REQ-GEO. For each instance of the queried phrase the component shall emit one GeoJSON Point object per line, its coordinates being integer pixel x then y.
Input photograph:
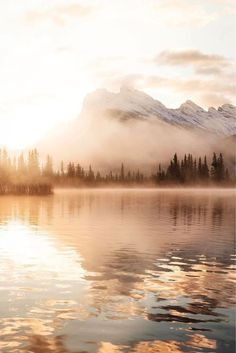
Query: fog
{"type": "Point", "coordinates": [105, 140]}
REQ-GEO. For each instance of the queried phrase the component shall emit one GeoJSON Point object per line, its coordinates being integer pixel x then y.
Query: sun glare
{"type": "Point", "coordinates": [26, 246]}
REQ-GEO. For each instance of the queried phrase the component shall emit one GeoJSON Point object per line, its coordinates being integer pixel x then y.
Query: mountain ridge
{"type": "Point", "coordinates": [132, 127]}
{"type": "Point", "coordinates": [221, 121]}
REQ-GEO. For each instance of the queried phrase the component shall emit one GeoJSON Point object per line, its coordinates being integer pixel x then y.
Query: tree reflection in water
{"type": "Point", "coordinates": [117, 271]}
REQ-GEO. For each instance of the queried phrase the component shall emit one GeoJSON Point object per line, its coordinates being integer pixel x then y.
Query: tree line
{"type": "Point", "coordinates": [190, 170]}
{"type": "Point", "coordinates": [29, 169]}
{"type": "Point", "coordinates": [22, 175]}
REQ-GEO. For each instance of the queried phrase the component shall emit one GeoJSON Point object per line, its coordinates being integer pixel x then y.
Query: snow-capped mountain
{"type": "Point", "coordinates": [132, 127]}
{"type": "Point", "coordinates": [130, 103]}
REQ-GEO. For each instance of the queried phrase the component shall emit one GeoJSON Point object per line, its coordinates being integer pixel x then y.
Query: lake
{"type": "Point", "coordinates": [118, 271]}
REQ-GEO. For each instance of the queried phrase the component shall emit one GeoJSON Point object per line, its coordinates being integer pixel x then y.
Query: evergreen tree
{"type": "Point", "coordinates": [129, 176]}
{"type": "Point", "coordinates": [71, 170]}
{"type": "Point", "coordinates": [137, 176]}
{"type": "Point", "coordinates": [62, 172]}
{"type": "Point", "coordinates": [21, 165]}
{"type": "Point", "coordinates": [217, 168]}
{"type": "Point", "coordinates": [214, 169]}
{"type": "Point", "coordinates": [90, 174]}
{"type": "Point", "coordinates": [200, 169]}
{"type": "Point", "coordinates": [33, 163]}
{"type": "Point", "coordinates": [111, 176]}
{"type": "Point", "coordinates": [205, 170]}
{"type": "Point", "coordinates": [194, 176]}
{"type": "Point", "coordinates": [4, 171]}
{"type": "Point", "coordinates": [221, 168]}
{"type": "Point", "coordinates": [48, 169]}
{"type": "Point", "coordinates": [173, 171]}
{"type": "Point", "coordinates": [227, 176]}
{"type": "Point", "coordinates": [122, 172]}
{"type": "Point", "coordinates": [160, 174]}
{"type": "Point", "coordinates": [98, 177]}
{"type": "Point", "coordinates": [78, 171]}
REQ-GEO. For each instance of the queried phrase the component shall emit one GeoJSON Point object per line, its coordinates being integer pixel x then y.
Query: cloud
{"type": "Point", "coordinates": [214, 100]}
{"type": "Point", "coordinates": [207, 64]}
{"type": "Point", "coordinates": [190, 56]}
{"type": "Point", "coordinates": [214, 80]}
{"type": "Point", "coordinates": [206, 70]}
{"type": "Point", "coordinates": [204, 86]}
{"type": "Point", "coordinates": [233, 2]}
{"type": "Point", "coordinates": [58, 15]}
{"type": "Point", "coordinates": [184, 13]}
{"type": "Point", "coordinates": [211, 82]}
{"type": "Point", "coordinates": [208, 92]}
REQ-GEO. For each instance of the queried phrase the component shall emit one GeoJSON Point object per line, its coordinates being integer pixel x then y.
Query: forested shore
{"type": "Point", "coordinates": [27, 174]}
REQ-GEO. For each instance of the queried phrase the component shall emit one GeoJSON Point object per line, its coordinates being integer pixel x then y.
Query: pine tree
{"type": "Point", "coordinates": [78, 171]}
{"type": "Point", "coordinates": [21, 165]}
{"type": "Point", "coordinates": [221, 168]}
{"type": "Point", "coordinates": [33, 163]}
{"type": "Point", "coordinates": [62, 172]}
{"type": "Point", "coordinates": [111, 176]}
{"type": "Point", "coordinates": [14, 165]}
{"type": "Point", "coordinates": [217, 168]}
{"type": "Point", "coordinates": [129, 176]}
{"type": "Point", "coordinates": [4, 171]}
{"type": "Point", "coordinates": [71, 170]}
{"type": "Point", "coordinates": [173, 171]}
{"type": "Point", "coordinates": [48, 169]}
{"type": "Point", "coordinates": [200, 169]}
{"type": "Point", "coordinates": [194, 170]}
{"type": "Point", "coordinates": [4, 159]}
{"type": "Point", "coordinates": [98, 177]}
{"type": "Point", "coordinates": [90, 174]}
{"type": "Point", "coordinates": [214, 166]}
{"type": "Point", "coordinates": [160, 174]}
{"type": "Point", "coordinates": [122, 172]}
{"type": "Point", "coordinates": [205, 170]}
{"type": "Point", "coordinates": [227, 177]}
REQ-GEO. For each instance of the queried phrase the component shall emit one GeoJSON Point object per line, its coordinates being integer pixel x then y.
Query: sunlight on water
{"type": "Point", "coordinates": [24, 245]}
{"type": "Point", "coordinates": [106, 271]}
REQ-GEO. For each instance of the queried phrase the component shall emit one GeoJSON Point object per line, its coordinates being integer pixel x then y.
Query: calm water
{"type": "Point", "coordinates": [118, 271]}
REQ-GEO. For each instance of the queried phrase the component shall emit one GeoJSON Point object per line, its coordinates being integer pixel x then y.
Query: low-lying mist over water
{"type": "Point", "coordinates": [103, 271]}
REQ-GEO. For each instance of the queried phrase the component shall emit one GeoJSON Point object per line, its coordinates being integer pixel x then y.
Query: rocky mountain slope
{"type": "Point", "coordinates": [130, 103]}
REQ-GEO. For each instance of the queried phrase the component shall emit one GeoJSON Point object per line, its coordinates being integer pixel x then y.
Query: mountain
{"type": "Point", "coordinates": [130, 103]}
{"type": "Point", "coordinates": [132, 127]}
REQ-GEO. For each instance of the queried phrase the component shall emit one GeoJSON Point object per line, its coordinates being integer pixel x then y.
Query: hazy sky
{"type": "Point", "coordinates": [52, 52]}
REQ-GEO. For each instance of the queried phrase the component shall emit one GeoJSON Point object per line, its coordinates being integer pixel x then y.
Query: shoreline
{"type": "Point", "coordinates": [147, 188]}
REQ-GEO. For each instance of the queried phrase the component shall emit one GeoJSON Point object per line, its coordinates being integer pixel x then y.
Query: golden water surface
{"type": "Point", "coordinates": [118, 271]}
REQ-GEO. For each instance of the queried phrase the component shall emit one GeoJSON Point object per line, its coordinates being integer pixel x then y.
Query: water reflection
{"type": "Point", "coordinates": [118, 271]}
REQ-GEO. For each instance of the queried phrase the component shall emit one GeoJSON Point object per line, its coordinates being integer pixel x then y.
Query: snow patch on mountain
{"type": "Point", "coordinates": [221, 121]}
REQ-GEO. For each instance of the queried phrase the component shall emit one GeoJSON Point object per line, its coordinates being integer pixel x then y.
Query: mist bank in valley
{"type": "Point", "coordinates": [106, 142]}
{"type": "Point", "coordinates": [133, 128]}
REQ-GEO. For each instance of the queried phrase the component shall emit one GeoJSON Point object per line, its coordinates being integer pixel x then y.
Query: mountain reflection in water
{"type": "Point", "coordinates": [103, 271]}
